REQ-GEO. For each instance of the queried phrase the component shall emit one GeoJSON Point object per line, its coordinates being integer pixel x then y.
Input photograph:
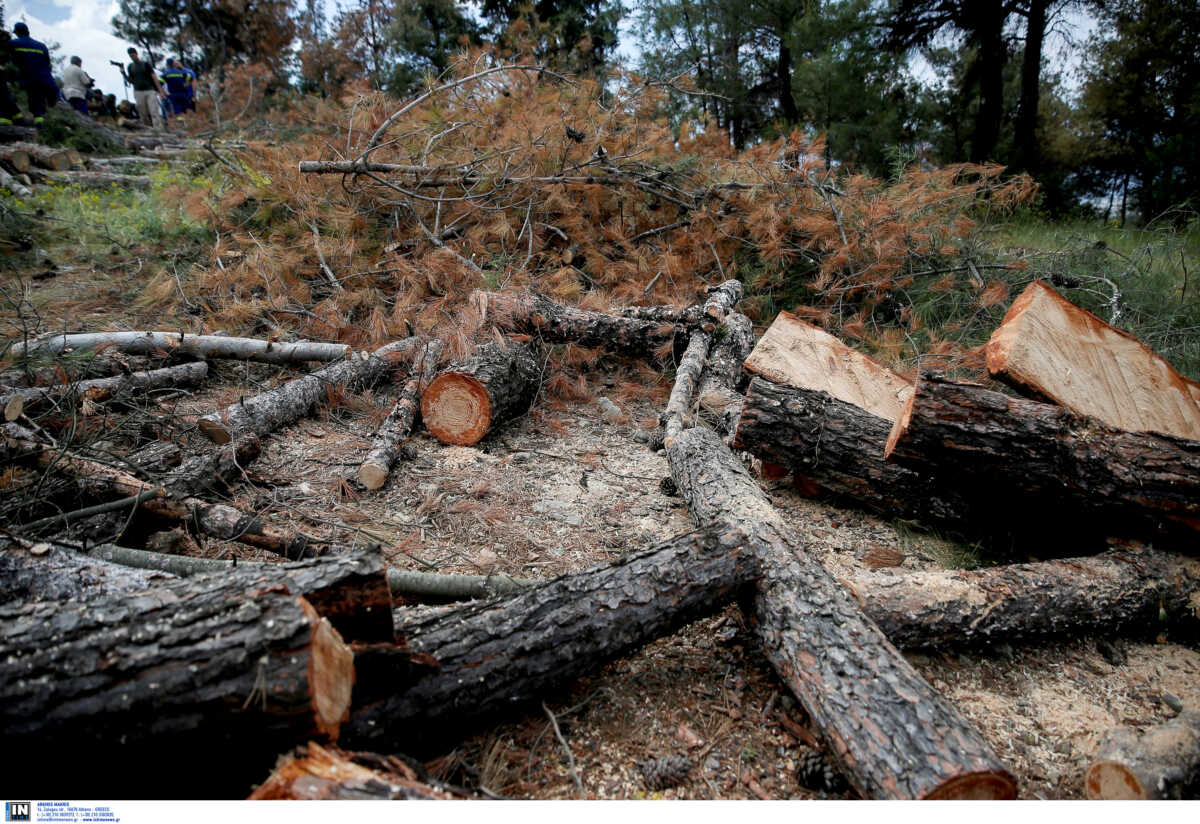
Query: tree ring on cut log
{"type": "Point", "coordinates": [456, 409]}
{"type": "Point", "coordinates": [1113, 781]}
{"type": "Point", "coordinates": [330, 674]}
{"type": "Point", "coordinates": [978, 786]}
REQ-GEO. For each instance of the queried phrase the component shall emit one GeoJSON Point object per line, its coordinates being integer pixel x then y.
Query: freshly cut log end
{"type": "Point", "coordinates": [330, 674]}
{"type": "Point", "coordinates": [1053, 349]}
{"type": "Point", "coordinates": [980, 786]}
{"type": "Point", "coordinates": [456, 409]}
{"type": "Point", "coordinates": [464, 402]}
{"type": "Point", "coordinates": [1160, 763]}
{"type": "Point", "coordinates": [372, 476]}
{"type": "Point", "coordinates": [214, 431]}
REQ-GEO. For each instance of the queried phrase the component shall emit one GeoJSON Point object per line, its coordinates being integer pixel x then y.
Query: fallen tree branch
{"type": "Point", "coordinates": [385, 450]}
{"type": "Point", "coordinates": [180, 344]}
{"type": "Point", "coordinates": [98, 389]}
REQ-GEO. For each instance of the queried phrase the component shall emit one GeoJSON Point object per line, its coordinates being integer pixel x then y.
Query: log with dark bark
{"type": "Point", "coordinates": [555, 323]}
{"type": "Point", "coordinates": [464, 402]}
{"type": "Point", "coordinates": [719, 394]}
{"type": "Point", "coordinates": [471, 664]}
{"type": "Point", "coordinates": [385, 450]}
{"type": "Point", "coordinates": [99, 389]}
{"type": "Point", "coordinates": [210, 672]}
{"type": "Point", "coordinates": [316, 773]}
{"type": "Point", "coordinates": [284, 405]}
{"type": "Point", "coordinates": [1119, 591]}
{"type": "Point", "coordinates": [12, 134]}
{"type": "Point", "coordinates": [892, 734]}
{"type": "Point", "coordinates": [1129, 480]}
{"type": "Point", "coordinates": [1051, 348]}
{"type": "Point", "coordinates": [179, 344]}
{"type": "Point", "coordinates": [31, 571]}
{"type": "Point", "coordinates": [1159, 763]}
{"type": "Point", "coordinates": [686, 316]}
{"type": "Point", "coordinates": [839, 446]}
{"type": "Point", "coordinates": [74, 368]}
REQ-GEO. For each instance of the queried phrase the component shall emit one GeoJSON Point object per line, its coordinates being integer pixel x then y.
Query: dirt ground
{"type": "Point", "coordinates": [570, 486]}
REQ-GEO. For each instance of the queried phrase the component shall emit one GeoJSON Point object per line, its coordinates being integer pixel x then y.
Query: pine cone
{"type": "Point", "coordinates": [818, 772]}
{"type": "Point", "coordinates": [666, 772]}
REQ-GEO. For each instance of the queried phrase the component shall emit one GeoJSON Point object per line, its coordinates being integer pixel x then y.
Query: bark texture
{"type": "Point", "coordinates": [13, 185]}
{"type": "Point", "coordinates": [840, 447]}
{"type": "Point", "coordinates": [555, 323]}
{"type": "Point", "coordinates": [284, 405]}
{"type": "Point", "coordinates": [892, 734]}
{"type": "Point", "coordinates": [99, 389]}
{"type": "Point", "coordinates": [385, 451]}
{"type": "Point", "coordinates": [721, 300]}
{"type": "Point", "coordinates": [467, 665]}
{"type": "Point", "coordinates": [197, 346]}
{"type": "Point", "coordinates": [497, 383]}
{"type": "Point", "coordinates": [210, 674]}
{"type": "Point", "coordinates": [719, 394]}
{"type": "Point", "coordinates": [1129, 480]}
{"type": "Point", "coordinates": [316, 773]}
{"type": "Point", "coordinates": [18, 159]}
{"type": "Point", "coordinates": [30, 572]}
{"type": "Point", "coordinates": [1160, 763]}
{"type": "Point", "coordinates": [678, 415]}
{"type": "Point", "coordinates": [687, 316]}
{"type": "Point", "coordinates": [1118, 591]}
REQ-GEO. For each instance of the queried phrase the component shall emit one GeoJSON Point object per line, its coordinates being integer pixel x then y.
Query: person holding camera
{"type": "Point", "coordinates": [76, 83]}
{"type": "Point", "coordinates": [146, 90]}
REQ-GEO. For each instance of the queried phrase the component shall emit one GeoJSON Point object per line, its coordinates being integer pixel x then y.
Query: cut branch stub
{"type": "Point", "coordinates": [1160, 763]}
{"type": "Point", "coordinates": [463, 403]}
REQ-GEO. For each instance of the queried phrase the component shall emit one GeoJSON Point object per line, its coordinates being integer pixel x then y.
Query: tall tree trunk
{"type": "Point", "coordinates": [1025, 149]}
{"type": "Point", "coordinates": [783, 71]}
{"type": "Point", "coordinates": [989, 35]}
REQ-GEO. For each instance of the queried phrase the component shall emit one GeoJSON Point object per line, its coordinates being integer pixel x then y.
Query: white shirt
{"type": "Point", "coordinates": [75, 82]}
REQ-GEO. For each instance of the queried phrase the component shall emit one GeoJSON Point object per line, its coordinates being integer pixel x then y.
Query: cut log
{"type": "Point", "coordinates": [385, 451]}
{"type": "Point", "coordinates": [68, 369]}
{"type": "Point", "coordinates": [316, 773]}
{"type": "Point", "coordinates": [1052, 348]}
{"type": "Point", "coordinates": [471, 664]}
{"type": "Point", "coordinates": [284, 405]}
{"type": "Point", "coordinates": [155, 458]}
{"type": "Point", "coordinates": [497, 383]}
{"type": "Point", "coordinates": [892, 734]}
{"type": "Point", "coordinates": [16, 158]}
{"type": "Point", "coordinates": [687, 316]}
{"type": "Point", "coordinates": [1160, 763]}
{"type": "Point", "coordinates": [678, 414]}
{"type": "Point", "coordinates": [719, 394]}
{"type": "Point", "coordinates": [349, 588]}
{"type": "Point", "coordinates": [840, 447]}
{"type": "Point", "coordinates": [182, 345]}
{"type": "Point", "coordinates": [794, 353]}
{"type": "Point", "coordinates": [555, 323]}
{"type": "Point", "coordinates": [14, 185]}
{"type": "Point", "coordinates": [99, 389]}
{"type": "Point", "coordinates": [1119, 591]}
{"type": "Point", "coordinates": [210, 672]}
{"type": "Point", "coordinates": [1130, 480]}
{"type": "Point", "coordinates": [93, 180]}
{"type": "Point", "coordinates": [31, 571]}
{"type": "Point", "coordinates": [721, 300]}
{"type": "Point", "coordinates": [44, 157]}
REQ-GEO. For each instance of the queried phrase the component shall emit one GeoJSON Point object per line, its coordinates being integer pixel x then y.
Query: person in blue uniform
{"type": "Point", "coordinates": [33, 66]}
{"type": "Point", "coordinates": [176, 81]}
{"type": "Point", "coordinates": [191, 86]}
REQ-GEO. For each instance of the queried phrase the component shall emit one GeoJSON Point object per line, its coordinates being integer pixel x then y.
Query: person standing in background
{"type": "Point", "coordinates": [76, 83]}
{"type": "Point", "coordinates": [9, 112]}
{"type": "Point", "coordinates": [146, 90]}
{"type": "Point", "coordinates": [191, 87]}
{"type": "Point", "coordinates": [33, 64]}
{"type": "Point", "coordinates": [177, 81]}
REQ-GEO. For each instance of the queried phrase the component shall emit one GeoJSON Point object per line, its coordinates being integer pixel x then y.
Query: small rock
{"type": "Point", "coordinates": [519, 457]}
{"type": "Point", "coordinates": [1173, 702]}
{"type": "Point", "coordinates": [641, 436]}
{"type": "Point", "coordinates": [609, 411]}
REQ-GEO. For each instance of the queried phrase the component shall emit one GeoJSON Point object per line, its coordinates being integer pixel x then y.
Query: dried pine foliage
{"type": "Point", "coordinates": [507, 176]}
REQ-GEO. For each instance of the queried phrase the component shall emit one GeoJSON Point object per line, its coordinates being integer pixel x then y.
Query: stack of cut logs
{"type": "Point", "coordinates": [235, 663]}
